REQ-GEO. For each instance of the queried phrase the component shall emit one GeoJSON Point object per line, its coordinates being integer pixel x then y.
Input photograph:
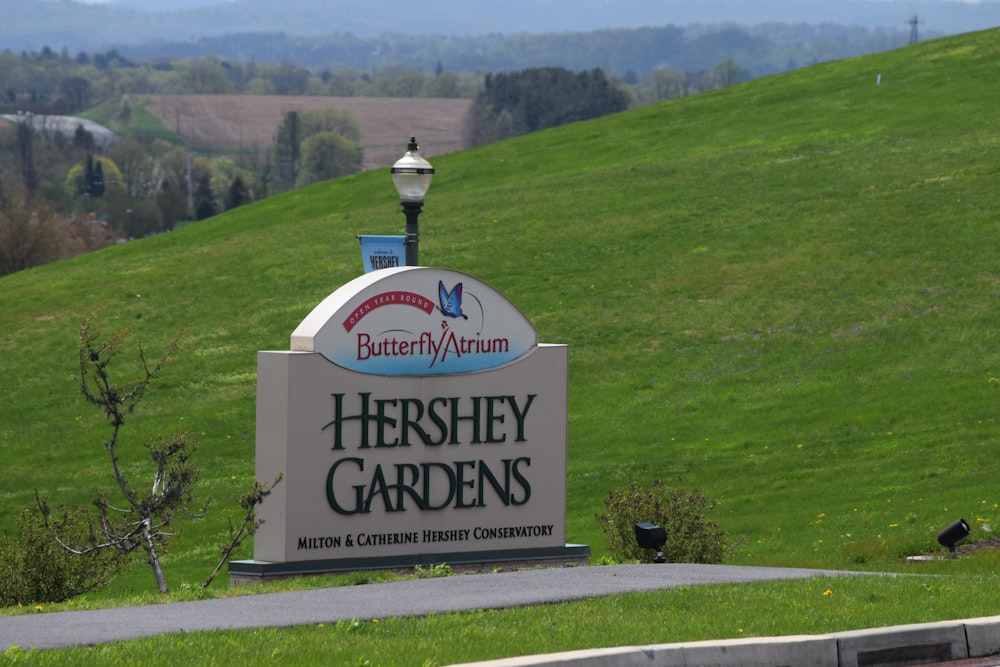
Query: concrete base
{"type": "Point", "coordinates": [255, 572]}
{"type": "Point", "coordinates": [881, 647]}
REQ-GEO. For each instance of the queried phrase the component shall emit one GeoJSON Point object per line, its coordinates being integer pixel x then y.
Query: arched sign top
{"type": "Point", "coordinates": [416, 320]}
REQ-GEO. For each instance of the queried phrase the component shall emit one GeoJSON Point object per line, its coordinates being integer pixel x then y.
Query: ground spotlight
{"type": "Point", "coordinates": [650, 536]}
{"type": "Point", "coordinates": [952, 535]}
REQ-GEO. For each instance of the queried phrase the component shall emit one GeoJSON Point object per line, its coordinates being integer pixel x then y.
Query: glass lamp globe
{"type": "Point", "coordinates": [412, 174]}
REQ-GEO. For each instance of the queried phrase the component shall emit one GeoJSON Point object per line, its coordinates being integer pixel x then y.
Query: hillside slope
{"type": "Point", "coordinates": [783, 294]}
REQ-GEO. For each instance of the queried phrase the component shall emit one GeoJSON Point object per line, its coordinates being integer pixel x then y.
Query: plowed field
{"type": "Point", "coordinates": [244, 122]}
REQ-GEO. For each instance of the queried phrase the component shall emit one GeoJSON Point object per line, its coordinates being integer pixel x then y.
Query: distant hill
{"type": "Point", "coordinates": [459, 17]}
{"type": "Point", "coordinates": [31, 24]}
{"type": "Point", "coordinates": [758, 50]}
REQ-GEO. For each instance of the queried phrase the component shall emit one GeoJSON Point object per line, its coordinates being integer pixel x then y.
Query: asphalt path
{"type": "Point", "coordinates": [414, 597]}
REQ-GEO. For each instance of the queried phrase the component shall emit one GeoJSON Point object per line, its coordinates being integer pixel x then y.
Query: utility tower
{"type": "Point", "coordinates": [914, 30]}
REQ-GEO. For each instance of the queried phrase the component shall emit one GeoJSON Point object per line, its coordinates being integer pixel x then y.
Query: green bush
{"type": "Point", "coordinates": [34, 568]}
{"type": "Point", "coordinates": [691, 538]}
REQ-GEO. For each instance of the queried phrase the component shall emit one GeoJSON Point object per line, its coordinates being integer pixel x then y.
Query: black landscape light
{"type": "Point", "coordinates": [953, 534]}
{"type": "Point", "coordinates": [650, 536]}
{"type": "Point", "coordinates": [412, 176]}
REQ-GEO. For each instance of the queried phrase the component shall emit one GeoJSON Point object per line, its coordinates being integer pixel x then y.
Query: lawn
{"type": "Point", "coordinates": [782, 294]}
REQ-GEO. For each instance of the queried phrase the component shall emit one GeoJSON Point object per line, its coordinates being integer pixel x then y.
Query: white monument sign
{"type": "Point", "coordinates": [416, 420]}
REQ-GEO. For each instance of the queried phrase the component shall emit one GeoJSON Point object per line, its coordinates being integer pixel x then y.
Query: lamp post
{"type": "Point", "coordinates": [412, 177]}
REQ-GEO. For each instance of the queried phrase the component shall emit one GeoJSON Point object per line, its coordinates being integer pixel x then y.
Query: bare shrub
{"type": "Point", "coordinates": [34, 568]}
{"type": "Point", "coordinates": [691, 538]}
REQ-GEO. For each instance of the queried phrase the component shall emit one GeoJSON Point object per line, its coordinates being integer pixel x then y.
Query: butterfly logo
{"type": "Point", "coordinates": [451, 302]}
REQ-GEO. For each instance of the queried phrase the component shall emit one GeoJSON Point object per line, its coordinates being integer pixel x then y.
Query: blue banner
{"type": "Point", "coordinates": [382, 252]}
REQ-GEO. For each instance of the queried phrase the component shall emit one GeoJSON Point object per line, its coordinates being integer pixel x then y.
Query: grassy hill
{"type": "Point", "coordinates": [783, 294]}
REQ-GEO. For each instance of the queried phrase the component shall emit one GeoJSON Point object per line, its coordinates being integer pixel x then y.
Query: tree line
{"type": "Point", "coordinates": [760, 49]}
{"type": "Point", "coordinates": [342, 64]}
{"type": "Point", "coordinates": [516, 103]}
{"type": "Point", "coordinates": [50, 82]}
{"type": "Point", "coordinates": [53, 82]}
{"type": "Point", "coordinates": [63, 193]}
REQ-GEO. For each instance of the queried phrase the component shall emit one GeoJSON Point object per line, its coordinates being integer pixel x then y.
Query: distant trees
{"type": "Point", "coordinates": [137, 166]}
{"type": "Point", "coordinates": [94, 177]}
{"type": "Point", "coordinates": [761, 49]}
{"type": "Point", "coordinates": [76, 91]}
{"type": "Point", "coordinates": [316, 145]}
{"type": "Point", "coordinates": [25, 155]}
{"type": "Point", "coordinates": [287, 148]}
{"type": "Point", "coordinates": [665, 84]}
{"type": "Point", "coordinates": [237, 194]}
{"type": "Point", "coordinates": [343, 64]}
{"type": "Point", "coordinates": [93, 193]}
{"type": "Point", "coordinates": [331, 120]}
{"type": "Point", "coordinates": [327, 155]}
{"type": "Point", "coordinates": [519, 102]}
{"type": "Point", "coordinates": [726, 74]}
{"type": "Point", "coordinates": [49, 83]}
{"type": "Point", "coordinates": [204, 199]}
{"type": "Point", "coordinates": [30, 232]}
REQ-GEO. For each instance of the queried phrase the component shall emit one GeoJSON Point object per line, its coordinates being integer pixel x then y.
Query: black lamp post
{"type": "Point", "coordinates": [412, 176]}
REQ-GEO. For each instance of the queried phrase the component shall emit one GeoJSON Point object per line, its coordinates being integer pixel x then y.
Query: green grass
{"type": "Point", "coordinates": [142, 123]}
{"type": "Point", "coordinates": [783, 294]}
{"type": "Point", "coordinates": [811, 606]}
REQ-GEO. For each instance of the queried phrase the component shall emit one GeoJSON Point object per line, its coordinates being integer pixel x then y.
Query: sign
{"type": "Point", "coordinates": [382, 252]}
{"type": "Point", "coordinates": [416, 419]}
{"type": "Point", "coordinates": [414, 321]}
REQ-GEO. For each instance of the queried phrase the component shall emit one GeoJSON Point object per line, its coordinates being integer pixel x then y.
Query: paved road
{"type": "Point", "coordinates": [415, 597]}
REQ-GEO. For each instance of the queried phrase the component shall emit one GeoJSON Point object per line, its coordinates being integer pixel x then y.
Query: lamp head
{"type": "Point", "coordinates": [650, 536]}
{"type": "Point", "coordinates": [412, 174]}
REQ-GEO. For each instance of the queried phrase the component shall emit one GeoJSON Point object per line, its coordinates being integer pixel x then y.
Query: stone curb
{"type": "Point", "coordinates": [879, 647]}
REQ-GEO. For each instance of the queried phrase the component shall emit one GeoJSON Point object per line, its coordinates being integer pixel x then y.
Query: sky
{"type": "Point", "coordinates": [210, 2]}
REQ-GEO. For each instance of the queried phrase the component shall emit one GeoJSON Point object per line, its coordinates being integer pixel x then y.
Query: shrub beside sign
{"type": "Point", "coordinates": [416, 419]}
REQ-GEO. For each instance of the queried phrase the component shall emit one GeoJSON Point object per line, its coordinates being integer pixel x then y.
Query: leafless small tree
{"type": "Point", "coordinates": [137, 521]}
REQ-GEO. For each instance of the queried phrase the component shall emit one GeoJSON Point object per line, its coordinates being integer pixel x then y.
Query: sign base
{"type": "Point", "coordinates": [256, 572]}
